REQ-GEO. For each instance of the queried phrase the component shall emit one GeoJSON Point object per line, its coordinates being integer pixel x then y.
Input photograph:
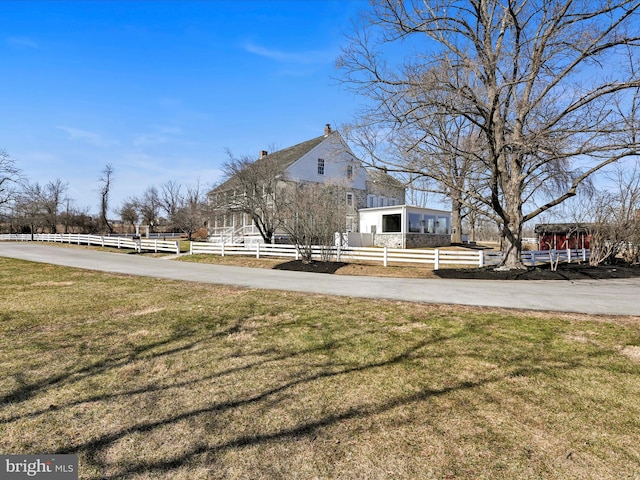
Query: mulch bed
{"type": "Point", "coordinates": [565, 271]}
{"type": "Point", "coordinates": [314, 267]}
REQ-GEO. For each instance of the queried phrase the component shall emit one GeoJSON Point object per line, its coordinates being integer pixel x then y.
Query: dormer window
{"type": "Point", "coordinates": [321, 166]}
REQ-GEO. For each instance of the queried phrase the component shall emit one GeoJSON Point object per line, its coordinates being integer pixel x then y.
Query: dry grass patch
{"type": "Point", "coordinates": [147, 378]}
{"type": "Point", "coordinates": [631, 351]}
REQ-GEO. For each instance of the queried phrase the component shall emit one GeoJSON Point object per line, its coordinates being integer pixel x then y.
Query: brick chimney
{"type": "Point", "coordinates": [263, 153]}
{"type": "Point", "coordinates": [327, 129]}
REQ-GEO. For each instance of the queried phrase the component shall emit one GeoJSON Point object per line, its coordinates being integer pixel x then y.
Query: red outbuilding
{"type": "Point", "coordinates": [561, 236]}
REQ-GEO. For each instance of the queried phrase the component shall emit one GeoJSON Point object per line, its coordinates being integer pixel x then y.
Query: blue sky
{"type": "Point", "coordinates": [159, 89]}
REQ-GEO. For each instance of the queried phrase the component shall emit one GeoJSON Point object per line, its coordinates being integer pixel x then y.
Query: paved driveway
{"type": "Point", "coordinates": [610, 297]}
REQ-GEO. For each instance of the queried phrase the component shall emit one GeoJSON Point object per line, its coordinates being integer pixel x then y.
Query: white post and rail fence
{"type": "Point", "coordinates": [435, 256]}
{"type": "Point", "coordinates": [140, 244]}
{"type": "Point", "coordinates": [384, 255]}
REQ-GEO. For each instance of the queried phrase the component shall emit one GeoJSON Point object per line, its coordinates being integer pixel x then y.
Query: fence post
{"type": "Point", "coordinates": [481, 258]}
{"type": "Point", "coordinates": [532, 253]}
{"type": "Point", "coordinates": [190, 248]}
{"type": "Point", "coordinates": [222, 251]}
{"type": "Point", "coordinates": [436, 259]}
{"type": "Point", "coordinates": [258, 250]}
{"type": "Point", "coordinates": [568, 255]}
{"type": "Point", "coordinates": [338, 253]}
{"type": "Point", "coordinates": [385, 259]}
{"type": "Point", "coordinates": [155, 245]}
{"type": "Point", "coordinates": [584, 254]}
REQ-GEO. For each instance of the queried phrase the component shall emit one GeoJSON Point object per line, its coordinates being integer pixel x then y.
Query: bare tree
{"type": "Point", "coordinates": [105, 188]}
{"type": "Point", "coordinates": [9, 177]}
{"type": "Point", "coordinates": [170, 197]}
{"type": "Point", "coordinates": [76, 219]}
{"type": "Point", "coordinates": [252, 188]}
{"type": "Point", "coordinates": [614, 216]}
{"type": "Point", "coordinates": [191, 212]}
{"type": "Point", "coordinates": [38, 206]}
{"type": "Point", "coordinates": [52, 198]}
{"type": "Point", "coordinates": [29, 207]}
{"type": "Point", "coordinates": [129, 211]}
{"type": "Point", "coordinates": [149, 207]}
{"type": "Point", "coordinates": [314, 213]}
{"type": "Point", "coordinates": [549, 87]}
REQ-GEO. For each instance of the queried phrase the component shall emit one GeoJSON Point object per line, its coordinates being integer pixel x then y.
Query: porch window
{"type": "Point", "coordinates": [414, 223]}
{"type": "Point", "coordinates": [392, 223]}
{"type": "Point", "coordinates": [443, 225]}
{"type": "Point", "coordinates": [429, 224]}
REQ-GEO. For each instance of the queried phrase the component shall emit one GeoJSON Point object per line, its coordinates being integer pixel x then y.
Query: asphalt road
{"type": "Point", "coordinates": [607, 297]}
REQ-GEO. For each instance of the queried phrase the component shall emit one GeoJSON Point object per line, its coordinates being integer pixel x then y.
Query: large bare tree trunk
{"type": "Point", "coordinates": [512, 246]}
{"type": "Point", "coordinates": [456, 221]}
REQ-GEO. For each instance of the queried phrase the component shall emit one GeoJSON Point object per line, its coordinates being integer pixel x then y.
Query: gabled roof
{"type": "Point", "coordinates": [282, 159]}
{"type": "Point", "coordinates": [381, 177]}
{"type": "Point", "coordinates": [562, 228]}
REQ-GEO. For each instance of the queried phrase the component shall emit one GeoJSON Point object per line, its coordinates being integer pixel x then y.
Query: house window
{"type": "Point", "coordinates": [392, 223]}
{"type": "Point", "coordinates": [321, 166]}
{"type": "Point", "coordinates": [370, 199]}
{"type": "Point", "coordinates": [349, 199]}
{"type": "Point", "coordinates": [351, 224]}
{"type": "Point", "coordinates": [349, 172]}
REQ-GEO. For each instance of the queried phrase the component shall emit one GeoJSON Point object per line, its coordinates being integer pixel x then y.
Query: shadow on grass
{"type": "Point", "coordinates": [93, 449]}
{"type": "Point", "coordinates": [27, 390]}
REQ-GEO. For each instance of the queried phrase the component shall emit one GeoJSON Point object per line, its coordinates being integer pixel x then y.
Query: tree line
{"type": "Point", "coordinates": [34, 207]}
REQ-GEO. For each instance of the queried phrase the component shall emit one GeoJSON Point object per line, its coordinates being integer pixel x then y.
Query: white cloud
{"type": "Point", "coordinates": [314, 56]}
{"type": "Point", "coordinates": [88, 137]}
{"type": "Point", "coordinates": [160, 136]}
{"type": "Point", "coordinates": [150, 139]}
{"type": "Point", "coordinates": [23, 42]}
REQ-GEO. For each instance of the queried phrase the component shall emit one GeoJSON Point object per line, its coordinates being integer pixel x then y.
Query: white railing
{"type": "Point", "coordinates": [436, 257]}
{"type": "Point", "coordinates": [232, 234]}
{"type": "Point", "coordinates": [139, 245]}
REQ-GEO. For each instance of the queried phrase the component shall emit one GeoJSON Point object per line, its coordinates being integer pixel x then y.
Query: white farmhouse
{"type": "Point", "coordinates": [326, 159]}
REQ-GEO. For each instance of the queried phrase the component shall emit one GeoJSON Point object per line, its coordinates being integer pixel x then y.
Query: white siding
{"type": "Point", "coordinates": [337, 157]}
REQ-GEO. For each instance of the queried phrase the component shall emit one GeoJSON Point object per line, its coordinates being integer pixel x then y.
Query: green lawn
{"type": "Point", "coordinates": [147, 378]}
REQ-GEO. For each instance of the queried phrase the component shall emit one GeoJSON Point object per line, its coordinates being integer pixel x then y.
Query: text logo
{"type": "Point", "coordinates": [49, 467]}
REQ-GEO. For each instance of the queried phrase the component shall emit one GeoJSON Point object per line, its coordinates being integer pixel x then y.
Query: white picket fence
{"type": "Point", "coordinates": [139, 245]}
{"type": "Point", "coordinates": [436, 257]}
